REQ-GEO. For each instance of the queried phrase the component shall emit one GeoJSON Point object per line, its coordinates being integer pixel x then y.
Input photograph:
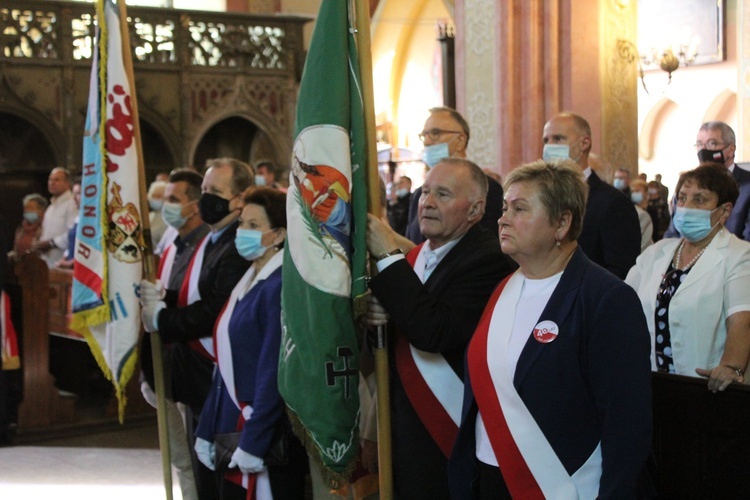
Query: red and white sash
{"type": "Point", "coordinates": [223, 349]}
{"type": "Point", "coordinates": [8, 337]}
{"type": "Point", "coordinates": [190, 293]}
{"type": "Point", "coordinates": [165, 264]}
{"type": "Point", "coordinates": [530, 467]}
{"type": "Point", "coordinates": [433, 388]}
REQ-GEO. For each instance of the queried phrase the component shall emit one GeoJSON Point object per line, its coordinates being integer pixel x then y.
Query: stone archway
{"type": "Point", "coordinates": [230, 137]}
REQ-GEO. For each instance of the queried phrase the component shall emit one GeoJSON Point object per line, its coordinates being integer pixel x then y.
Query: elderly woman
{"type": "Point", "coordinates": [30, 230]}
{"type": "Point", "coordinates": [244, 396]}
{"type": "Point", "coordinates": [695, 291]}
{"type": "Point", "coordinates": [557, 399]}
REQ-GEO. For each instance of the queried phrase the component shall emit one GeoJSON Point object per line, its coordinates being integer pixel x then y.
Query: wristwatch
{"type": "Point", "coordinates": [389, 254]}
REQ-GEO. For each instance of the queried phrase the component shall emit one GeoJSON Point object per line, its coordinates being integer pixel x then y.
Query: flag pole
{"type": "Point", "coordinates": [148, 258]}
{"type": "Point", "coordinates": [385, 464]}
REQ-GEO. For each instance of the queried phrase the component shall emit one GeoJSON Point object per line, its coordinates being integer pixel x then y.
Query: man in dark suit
{"type": "Point", "coordinates": [716, 143]}
{"type": "Point", "coordinates": [186, 316]}
{"type": "Point", "coordinates": [435, 296]}
{"type": "Point", "coordinates": [446, 134]}
{"type": "Point", "coordinates": [611, 233]}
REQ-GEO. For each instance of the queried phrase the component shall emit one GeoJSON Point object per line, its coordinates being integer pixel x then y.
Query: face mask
{"type": "Point", "coordinates": [636, 197]}
{"type": "Point", "coordinates": [155, 204]}
{"type": "Point", "coordinates": [172, 215]}
{"type": "Point", "coordinates": [433, 153]}
{"type": "Point", "coordinates": [260, 180]}
{"type": "Point", "coordinates": [31, 217]}
{"type": "Point", "coordinates": [694, 224]}
{"type": "Point", "coordinates": [402, 192]}
{"type": "Point", "coordinates": [620, 184]}
{"type": "Point", "coordinates": [707, 155]}
{"type": "Point", "coordinates": [213, 208]}
{"type": "Point", "coordinates": [248, 243]}
{"type": "Point", "coordinates": [555, 152]}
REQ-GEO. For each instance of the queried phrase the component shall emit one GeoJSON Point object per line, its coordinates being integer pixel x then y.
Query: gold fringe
{"type": "Point", "coordinates": [11, 363]}
{"type": "Point", "coordinates": [335, 480]}
{"type": "Point", "coordinates": [82, 320]}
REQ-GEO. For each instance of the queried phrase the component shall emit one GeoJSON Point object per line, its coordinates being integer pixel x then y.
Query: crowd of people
{"type": "Point", "coordinates": [528, 316]}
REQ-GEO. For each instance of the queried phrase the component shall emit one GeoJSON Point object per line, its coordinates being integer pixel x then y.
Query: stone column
{"type": "Point", "coordinates": [743, 72]}
{"type": "Point", "coordinates": [520, 62]}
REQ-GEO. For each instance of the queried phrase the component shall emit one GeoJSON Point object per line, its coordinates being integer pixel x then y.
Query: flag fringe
{"type": "Point", "coordinates": [82, 320]}
{"type": "Point", "coordinates": [335, 480]}
{"type": "Point", "coordinates": [126, 373]}
{"type": "Point", "coordinates": [11, 363]}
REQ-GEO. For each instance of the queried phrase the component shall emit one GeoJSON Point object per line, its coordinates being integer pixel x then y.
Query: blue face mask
{"type": "Point", "coordinates": [248, 243]}
{"type": "Point", "coordinates": [260, 180]}
{"type": "Point", "coordinates": [555, 152]}
{"type": "Point", "coordinates": [433, 153]}
{"type": "Point", "coordinates": [636, 197]}
{"type": "Point", "coordinates": [31, 217]}
{"type": "Point", "coordinates": [401, 192]}
{"type": "Point", "coordinates": [619, 183]}
{"type": "Point", "coordinates": [694, 224]}
{"type": "Point", "coordinates": [155, 204]}
{"type": "Point", "coordinates": [172, 214]}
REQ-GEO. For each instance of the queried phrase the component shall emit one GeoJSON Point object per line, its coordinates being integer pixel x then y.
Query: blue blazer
{"type": "Point", "coordinates": [591, 384]}
{"type": "Point", "coordinates": [255, 336]}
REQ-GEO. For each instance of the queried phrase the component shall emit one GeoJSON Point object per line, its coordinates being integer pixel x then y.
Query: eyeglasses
{"type": "Point", "coordinates": [434, 134]}
{"type": "Point", "coordinates": [711, 145]}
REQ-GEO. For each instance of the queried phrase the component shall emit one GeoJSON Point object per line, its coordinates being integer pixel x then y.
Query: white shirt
{"type": "Point", "coordinates": [427, 260]}
{"type": "Point", "coordinates": [58, 219]}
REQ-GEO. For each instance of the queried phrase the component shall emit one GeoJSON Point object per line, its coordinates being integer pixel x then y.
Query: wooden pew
{"type": "Point", "coordinates": [46, 298]}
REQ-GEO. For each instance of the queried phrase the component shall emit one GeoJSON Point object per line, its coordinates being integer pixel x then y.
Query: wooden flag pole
{"type": "Point", "coordinates": [385, 463]}
{"type": "Point", "coordinates": [148, 258]}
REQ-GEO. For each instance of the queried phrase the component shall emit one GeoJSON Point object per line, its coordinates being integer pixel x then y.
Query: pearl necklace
{"type": "Point", "coordinates": [678, 257]}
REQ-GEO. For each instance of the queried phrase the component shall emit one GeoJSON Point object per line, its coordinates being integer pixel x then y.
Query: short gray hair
{"type": "Point", "coordinates": [36, 198]}
{"type": "Point", "coordinates": [727, 134]}
{"type": "Point", "coordinates": [478, 177]}
{"type": "Point", "coordinates": [243, 175]}
{"type": "Point", "coordinates": [562, 188]}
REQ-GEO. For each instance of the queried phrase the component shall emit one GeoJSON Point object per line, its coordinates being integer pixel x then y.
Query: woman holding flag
{"type": "Point", "coordinates": [244, 398]}
{"type": "Point", "coordinates": [557, 397]}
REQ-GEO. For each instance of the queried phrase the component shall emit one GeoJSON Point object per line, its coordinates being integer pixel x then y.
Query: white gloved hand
{"type": "Point", "coordinates": [206, 452]}
{"type": "Point", "coordinates": [248, 464]}
{"type": "Point", "coordinates": [152, 293]}
{"type": "Point", "coordinates": [148, 394]}
{"type": "Point", "coordinates": [150, 316]}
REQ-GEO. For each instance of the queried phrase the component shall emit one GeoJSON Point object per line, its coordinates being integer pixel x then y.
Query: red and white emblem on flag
{"type": "Point", "coordinates": [546, 331]}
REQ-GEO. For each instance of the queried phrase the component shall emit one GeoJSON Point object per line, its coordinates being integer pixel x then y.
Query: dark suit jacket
{"type": "Point", "coordinates": [739, 222]}
{"type": "Point", "coordinates": [493, 210]}
{"type": "Point", "coordinates": [437, 316]}
{"type": "Point", "coordinates": [611, 235]}
{"type": "Point", "coordinates": [222, 269]}
{"type": "Point", "coordinates": [591, 383]}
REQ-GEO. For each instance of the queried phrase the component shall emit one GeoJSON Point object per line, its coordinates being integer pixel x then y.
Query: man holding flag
{"type": "Point", "coordinates": [186, 316]}
{"type": "Point", "coordinates": [435, 296]}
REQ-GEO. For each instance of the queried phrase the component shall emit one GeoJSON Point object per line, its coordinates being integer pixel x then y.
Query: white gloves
{"type": "Point", "coordinates": [152, 292]}
{"type": "Point", "coordinates": [206, 453]}
{"type": "Point", "coordinates": [248, 464]}
{"type": "Point", "coordinates": [148, 394]}
{"type": "Point", "coordinates": [151, 304]}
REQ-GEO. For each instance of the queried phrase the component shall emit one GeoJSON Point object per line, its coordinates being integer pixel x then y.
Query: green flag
{"type": "Point", "coordinates": [325, 254]}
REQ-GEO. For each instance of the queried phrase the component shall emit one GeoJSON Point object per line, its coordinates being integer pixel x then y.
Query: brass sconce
{"type": "Point", "coordinates": [667, 59]}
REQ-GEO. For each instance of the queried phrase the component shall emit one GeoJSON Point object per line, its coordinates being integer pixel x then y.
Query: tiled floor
{"type": "Point", "coordinates": [113, 465]}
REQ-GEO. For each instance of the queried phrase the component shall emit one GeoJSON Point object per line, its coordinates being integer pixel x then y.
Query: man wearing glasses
{"type": "Point", "coordinates": [716, 143]}
{"type": "Point", "coordinates": [446, 134]}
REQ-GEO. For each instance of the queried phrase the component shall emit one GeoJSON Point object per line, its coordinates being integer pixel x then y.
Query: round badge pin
{"type": "Point", "coordinates": [546, 331]}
